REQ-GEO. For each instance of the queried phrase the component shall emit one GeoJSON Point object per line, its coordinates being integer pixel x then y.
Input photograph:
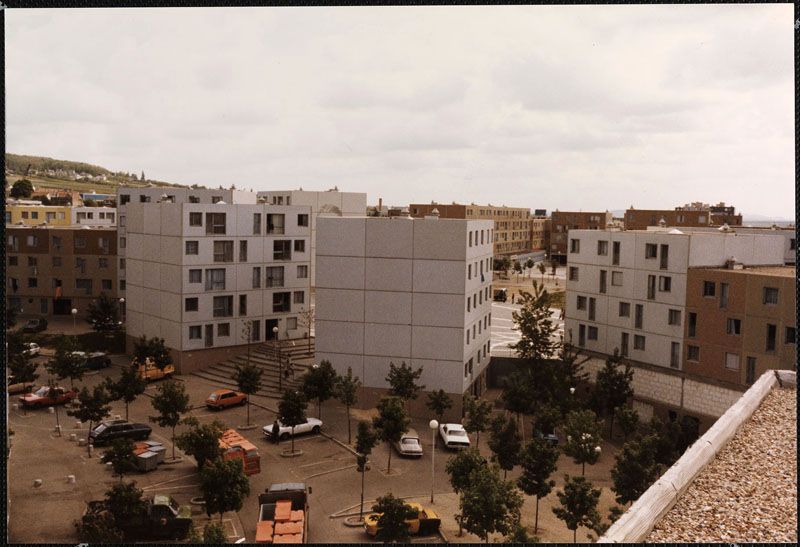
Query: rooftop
{"type": "Point", "coordinates": [777, 271]}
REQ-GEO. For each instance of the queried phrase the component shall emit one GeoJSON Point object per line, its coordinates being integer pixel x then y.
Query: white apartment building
{"type": "Point", "coordinates": [401, 289]}
{"type": "Point", "coordinates": [323, 203]}
{"type": "Point", "coordinates": [94, 216]}
{"type": "Point", "coordinates": [197, 273]}
{"type": "Point", "coordinates": [627, 289]}
{"type": "Point", "coordinates": [789, 235]}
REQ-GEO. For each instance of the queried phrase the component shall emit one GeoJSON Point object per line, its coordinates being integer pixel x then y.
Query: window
{"type": "Point", "coordinates": [291, 323]}
{"type": "Point", "coordinates": [650, 250]}
{"type": "Point", "coordinates": [144, 199]}
{"type": "Point", "coordinates": [302, 272]}
{"type": "Point", "coordinates": [772, 331]}
{"type": "Point", "coordinates": [751, 370]}
{"type": "Point", "coordinates": [664, 262]}
{"type": "Point", "coordinates": [224, 329]}
{"type": "Point", "coordinates": [592, 333]}
{"type": "Point", "coordinates": [732, 361]}
{"type": "Point", "coordinates": [282, 250]}
{"type": "Point", "coordinates": [243, 251]}
{"type": "Point", "coordinates": [14, 261]}
{"type": "Point", "coordinates": [280, 302]}
{"type": "Point", "coordinates": [651, 287]}
{"type": "Point", "coordinates": [770, 295]}
{"type": "Point", "coordinates": [602, 248]}
{"type": "Point", "coordinates": [299, 297]}
{"type": "Point", "coordinates": [106, 284]}
{"type": "Point", "coordinates": [581, 304]}
{"type": "Point", "coordinates": [192, 247]}
{"type": "Point", "coordinates": [123, 243]}
{"type": "Point", "coordinates": [302, 220]}
{"type": "Point", "coordinates": [195, 219]}
{"type": "Point", "coordinates": [256, 224]}
{"type": "Point", "coordinates": [624, 309]}
{"type": "Point", "coordinates": [25, 214]}
{"type": "Point", "coordinates": [56, 261]}
{"type": "Point", "coordinates": [723, 295]}
{"type": "Point", "coordinates": [275, 276]}
{"type": "Point", "coordinates": [469, 271]}
{"type": "Point", "coordinates": [80, 263]}
{"type": "Point", "coordinates": [191, 304]}
{"type": "Point", "coordinates": [195, 332]}
{"type": "Point", "coordinates": [122, 284]}
{"type": "Point", "coordinates": [470, 244]}
{"type": "Point", "coordinates": [124, 198]}
{"type": "Point", "coordinates": [792, 244]}
{"type": "Point", "coordinates": [615, 253]}
{"type": "Point", "coordinates": [573, 273]}
{"type": "Point", "coordinates": [638, 342]}
{"type": "Point", "coordinates": [215, 223]}
{"type": "Point", "coordinates": [693, 353]}
{"type": "Point", "coordinates": [709, 289]}
{"type": "Point", "coordinates": [255, 331]}
{"type": "Point", "coordinates": [242, 304]}
{"type": "Point", "coordinates": [624, 344]}
{"type": "Point", "coordinates": [216, 199]}
{"type": "Point", "coordinates": [195, 276]}
{"type": "Point", "coordinates": [592, 308]}
{"type": "Point", "coordinates": [790, 335]}
{"type": "Point", "coordinates": [675, 355]}
{"type": "Point", "coordinates": [32, 261]}
{"type": "Point", "coordinates": [80, 242]}
{"type": "Point", "coordinates": [275, 224]}
{"type": "Point", "coordinates": [639, 319]}
{"type": "Point", "coordinates": [574, 245]}
{"type": "Point", "coordinates": [299, 245]}
{"type": "Point", "coordinates": [223, 306]}
{"type": "Point", "coordinates": [215, 279]}
{"type": "Point", "coordinates": [692, 324]}
{"type": "Point", "coordinates": [674, 317]}
{"type": "Point", "coordinates": [581, 335]}
{"type": "Point", "coordinates": [734, 326]}
{"type": "Point", "coordinates": [121, 263]}
{"type": "Point", "coordinates": [616, 279]}
{"type": "Point", "coordinates": [122, 220]}
{"type": "Point", "coordinates": [223, 251]}
{"type": "Point", "coordinates": [57, 242]}
{"type": "Point", "coordinates": [469, 304]}
{"type": "Point", "coordinates": [194, 199]}
{"type": "Point", "coordinates": [84, 284]}
{"type": "Point", "coordinates": [468, 329]}
{"type": "Point", "coordinates": [664, 283]}
{"type": "Point", "coordinates": [257, 277]}
{"type": "Point", "coordinates": [33, 282]}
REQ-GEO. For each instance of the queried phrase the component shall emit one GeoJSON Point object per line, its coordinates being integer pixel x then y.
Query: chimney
{"type": "Point", "coordinates": [433, 215]}
{"type": "Point", "coordinates": [380, 205]}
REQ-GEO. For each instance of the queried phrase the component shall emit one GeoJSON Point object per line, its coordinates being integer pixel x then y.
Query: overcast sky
{"type": "Point", "coordinates": [596, 107]}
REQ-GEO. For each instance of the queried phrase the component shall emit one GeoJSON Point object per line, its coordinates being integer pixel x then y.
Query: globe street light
{"type": "Point", "coordinates": [122, 307]}
{"type": "Point", "coordinates": [74, 313]}
{"type": "Point", "coordinates": [280, 364]}
{"type": "Point", "coordinates": [433, 424]}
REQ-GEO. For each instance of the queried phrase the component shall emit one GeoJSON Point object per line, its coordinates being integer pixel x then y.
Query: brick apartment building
{"type": "Point", "coordinates": [688, 216]}
{"type": "Point", "coordinates": [561, 222]}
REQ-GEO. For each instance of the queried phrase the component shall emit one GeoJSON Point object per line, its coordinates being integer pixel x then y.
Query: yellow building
{"type": "Point", "coordinates": [30, 214]}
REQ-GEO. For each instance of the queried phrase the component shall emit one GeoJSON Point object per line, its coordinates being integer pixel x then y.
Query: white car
{"type": "Point", "coordinates": [454, 436]}
{"type": "Point", "coordinates": [311, 425]}
{"type": "Point", "coordinates": [31, 349]}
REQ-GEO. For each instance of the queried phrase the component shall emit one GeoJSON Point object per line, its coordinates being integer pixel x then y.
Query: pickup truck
{"type": "Point", "coordinates": [425, 522]}
{"type": "Point", "coordinates": [163, 518]}
{"type": "Point", "coordinates": [283, 515]}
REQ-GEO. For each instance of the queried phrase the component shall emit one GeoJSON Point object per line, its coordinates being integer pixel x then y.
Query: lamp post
{"type": "Point", "coordinates": [280, 364]}
{"type": "Point", "coordinates": [74, 313]}
{"type": "Point", "coordinates": [122, 308]}
{"type": "Point", "coordinates": [433, 424]}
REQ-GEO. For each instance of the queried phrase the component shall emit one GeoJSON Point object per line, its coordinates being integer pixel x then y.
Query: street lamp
{"type": "Point", "coordinates": [280, 364]}
{"type": "Point", "coordinates": [74, 313]}
{"type": "Point", "coordinates": [433, 424]}
{"type": "Point", "coordinates": [122, 307]}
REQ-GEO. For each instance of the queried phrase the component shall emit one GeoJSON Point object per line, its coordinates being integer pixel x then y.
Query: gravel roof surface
{"type": "Point", "coordinates": [748, 493]}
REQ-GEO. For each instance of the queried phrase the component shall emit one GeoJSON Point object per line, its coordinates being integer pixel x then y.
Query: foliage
{"type": "Point", "coordinates": [93, 406]}
{"type": "Point", "coordinates": [11, 316]}
{"type": "Point", "coordinates": [505, 442]}
{"type": "Point", "coordinates": [478, 412]}
{"type": "Point", "coordinates": [214, 534]}
{"type": "Point", "coordinates": [535, 325]}
{"type": "Point", "coordinates": [170, 402]}
{"type": "Point", "coordinates": [347, 392]}
{"type": "Point", "coordinates": [542, 269]}
{"type": "Point", "coordinates": [319, 383]}
{"type": "Point", "coordinates": [19, 163]}
{"type": "Point", "coordinates": [519, 534]}
{"type": "Point", "coordinates": [613, 386]}
{"type": "Point", "coordinates": [461, 466]}
{"type": "Point", "coordinates": [366, 439]}
{"type": "Point", "coordinates": [103, 314]}
{"type": "Point", "coordinates": [127, 388]}
{"type": "Point", "coordinates": [392, 525]}
{"type": "Point", "coordinates": [201, 441]}
{"type": "Point", "coordinates": [224, 486]}
{"type": "Point", "coordinates": [292, 410]}
{"type": "Point", "coordinates": [489, 504]}
{"type": "Point", "coordinates": [628, 420]}
{"type": "Point", "coordinates": [306, 319]}
{"type": "Point", "coordinates": [124, 502]}
{"type": "Point", "coordinates": [19, 362]}
{"type": "Point", "coordinates": [390, 423]}
{"type": "Point", "coordinates": [578, 504]}
{"type": "Point", "coordinates": [439, 402]}
{"type": "Point", "coordinates": [635, 469]}
{"type": "Point", "coordinates": [98, 528]}
{"type": "Point", "coordinates": [64, 363]}
{"type": "Point", "coordinates": [538, 461]}
{"type": "Point", "coordinates": [154, 348]}
{"type": "Point", "coordinates": [248, 380]}
{"type": "Point", "coordinates": [21, 189]}
{"type": "Point", "coordinates": [583, 437]}
{"type": "Point", "coordinates": [403, 381]}
{"type": "Point", "coordinates": [614, 513]}
{"type": "Point", "coordinates": [121, 456]}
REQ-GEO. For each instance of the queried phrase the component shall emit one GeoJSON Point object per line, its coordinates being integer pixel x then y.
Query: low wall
{"type": "Point", "coordinates": [369, 397]}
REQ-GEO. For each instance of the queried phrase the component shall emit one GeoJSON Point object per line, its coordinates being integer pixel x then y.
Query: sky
{"type": "Point", "coordinates": [569, 107]}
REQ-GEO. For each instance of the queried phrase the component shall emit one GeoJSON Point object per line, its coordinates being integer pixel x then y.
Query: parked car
{"type": "Point", "coordinates": [550, 437]}
{"type": "Point", "coordinates": [32, 349]}
{"type": "Point", "coordinates": [149, 371]}
{"type": "Point", "coordinates": [97, 361]}
{"type": "Point", "coordinates": [224, 398]}
{"type": "Point", "coordinates": [111, 430]}
{"type": "Point", "coordinates": [408, 445]}
{"type": "Point", "coordinates": [500, 295]}
{"type": "Point", "coordinates": [35, 325]}
{"type": "Point", "coordinates": [425, 523]}
{"type": "Point", "coordinates": [41, 397]}
{"type": "Point", "coordinates": [311, 425]}
{"type": "Point", "coordinates": [15, 386]}
{"type": "Point", "coordinates": [454, 436]}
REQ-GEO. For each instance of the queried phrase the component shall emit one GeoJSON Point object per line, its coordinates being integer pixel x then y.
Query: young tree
{"type": "Point", "coordinates": [214, 534]}
{"type": "Point", "coordinates": [489, 504]}
{"type": "Point", "coordinates": [347, 392]}
{"type": "Point", "coordinates": [392, 525]}
{"type": "Point", "coordinates": [248, 379]}
{"type": "Point", "coordinates": [506, 263]}
{"type": "Point", "coordinates": [19, 361]}
{"type": "Point", "coordinates": [306, 319]}
{"type": "Point", "coordinates": [578, 505]}
{"type": "Point", "coordinates": [529, 265]}
{"type": "Point", "coordinates": [613, 386]}
{"type": "Point", "coordinates": [65, 364]}
{"type": "Point", "coordinates": [224, 486]}
{"type": "Point", "coordinates": [390, 423]}
{"type": "Point", "coordinates": [98, 528]}
{"type": "Point", "coordinates": [519, 534]}
{"type": "Point", "coordinates": [292, 410]}
{"type": "Point", "coordinates": [171, 402]}
{"type": "Point", "coordinates": [518, 393]}
{"type": "Point", "coordinates": [104, 315]}
{"type": "Point", "coordinates": [403, 381]}
{"type": "Point", "coordinates": [539, 460]}
{"type": "Point", "coordinates": [439, 402]}
{"type": "Point", "coordinates": [628, 420]}
{"type": "Point", "coordinates": [583, 438]}
{"type": "Point", "coordinates": [124, 501]}
{"type": "Point", "coordinates": [478, 413]}
{"type": "Point", "coordinates": [121, 456]}
{"type": "Point", "coordinates": [460, 467]}
{"type": "Point", "coordinates": [366, 439]}
{"type": "Point", "coordinates": [535, 326]}
{"type": "Point", "coordinates": [542, 269]}
{"type": "Point", "coordinates": [53, 393]}
{"type": "Point", "coordinates": [93, 407]}
{"type": "Point", "coordinates": [635, 469]}
{"type": "Point", "coordinates": [505, 443]}
{"type": "Point", "coordinates": [201, 441]}
{"type": "Point", "coordinates": [154, 348]}
{"type": "Point", "coordinates": [127, 388]}
{"type": "Point", "coordinates": [21, 189]}
{"type": "Point", "coordinates": [319, 383]}
{"type": "Point", "coordinates": [517, 269]}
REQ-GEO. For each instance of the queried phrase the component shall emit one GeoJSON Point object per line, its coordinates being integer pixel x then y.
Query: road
{"type": "Point", "coordinates": [503, 331]}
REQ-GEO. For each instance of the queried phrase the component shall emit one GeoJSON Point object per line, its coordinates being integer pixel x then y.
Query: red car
{"type": "Point", "coordinates": [224, 398]}
{"type": "Point", "coordinates": [41, 397]}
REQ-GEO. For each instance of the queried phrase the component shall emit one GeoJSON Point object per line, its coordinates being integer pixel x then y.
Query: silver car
{"type": "Point", "coordinates": [408, 445]}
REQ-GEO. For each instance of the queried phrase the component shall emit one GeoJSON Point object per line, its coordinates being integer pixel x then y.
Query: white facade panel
{"type": "Point", "coordinates": [388, 274]}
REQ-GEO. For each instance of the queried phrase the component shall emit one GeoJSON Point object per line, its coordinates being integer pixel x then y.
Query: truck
{"type": "Point", "coordinates": [283, 516]}
{"type": "Point", "coordinates": [162, 518]}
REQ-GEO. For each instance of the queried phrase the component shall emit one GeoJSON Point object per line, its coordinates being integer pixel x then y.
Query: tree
{"type": "Point", "coordinates": [292, 410]}
{"type": "Point", "coordinates": [538, 460]}
{"type": "Point", "coordinates": [635, 469]}
{"type": "Point", "coordinates": [390, 423]}
{"type": "Point", "coordinates": [65, 363]}
{"type": "Point", "coordinates": [519, 534]}
{"type": "Point", "coordinates": [403, 380]}
{"type": "Point", "coordinates": [19, 361]}
{"type": "Point", "coordinates": [505, 443]}
{"type": "Point", "coordinates": [214, 534]}
{"type": "Point", "coordinates": [489, 504]}
{"type": "Point", "coordinates": [319, 383]}
{"type": "Point", "coordinates": [347, 392]}
{"type": "Point", "coordinates": [460, 467]}
{"type": "Point", "coordinates": [529, 265]}
{"type": "Point", "coordinates": [583, 438]}
{"type": "Point", "coordinates": [171, 402]}
{"type": "Point", "coordinates": [392, 525]}
{"type": "Point", "coordinates": [535, 326]}
{"type": "Point", "coordinates": [201, 441]}
{"type": "Point", "coordinates": [517, 396]}
{"type": "Point", "coordinates": [366, 439]}
{"type": "Point", "coordinates": [613, 386]}
{"type": "Point", "coordinates": [628, 420]}
{"type": "Point", "coordinates": [93, 406]}
{"type": "Point", "coordinates": [439, 402]}
{"type": "Point", "coordinates": [98, 528]}
{"type": "Point", "coordinates": [21, 189]}
{"type": "Point", "coordinates": [506, 263]}
{"type": "Point", "coordinates": [154, 348]}
{"type": "Point", "coordinates": [306, 319]}
{"type": "Point", "coordinates": [248, 380]}
{"type": "Point", "coordinates": [542, 269]}
{"type": "Point", "coordinates": [127, 388]}
{"type": "Point", "coordinates": [52, 392]}
{"type": "Point", "coordinates": [517, 269]}
{"type": "Point", "coordinates": [478, 413]}
{"type": "Point", "coordinates": [104, 315]}
{"type": "Point", "coordinates": [142, 177]}
{"type": "Point", "coordinates": [124, 502]}
{"type": "Point", "coordinates": [121, 456]}
{"type": "Point", "coordinates": [224, 486]}
{"type": "Point", "coordinates": [578, 505]}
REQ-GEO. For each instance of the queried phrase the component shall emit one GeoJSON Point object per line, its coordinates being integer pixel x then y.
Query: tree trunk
{"type": "Point", "coordinates": [575, 536]}
{"type": "Point", "coordinates": [361, 508]}
{"type": "Point", "coordinates": [126, 411]}
{"type": "Point", "coordinates": [389, 466]}
{"type": "Point", "coordinates": [58, 425]}
{"type": "Point", "coordinates": [611, 430]}
{"type": "Point", "coordinates": [292, 439]}
{"type": "Point", "coordinates": [248, 410]}
{"type": "Point", "coordinates": [319, 409]}
{"type": "Point", "coordinates": [349, 440]}
{"type": "Point", "coordinates": [583, 469]}
{"type": "Point", "coordinates": [173, 443]}
{"type": "Point", "coordinates": [536, 519]}
{"type": "Point", "coordinates": [88, 444]}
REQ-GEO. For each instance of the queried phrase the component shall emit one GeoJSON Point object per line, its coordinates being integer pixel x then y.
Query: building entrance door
{"type": "Point", "coordinates": [209, 335]}
{"type": "Point", "coordinates": [269, 334]}
{"type": "Point", "coordinates": [62, 306]}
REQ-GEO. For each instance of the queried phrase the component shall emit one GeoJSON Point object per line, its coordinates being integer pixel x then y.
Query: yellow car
{"type": "Point", "coordinates": [149, 371]}
{"type": "Point", "coordinates": [426, 522]}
